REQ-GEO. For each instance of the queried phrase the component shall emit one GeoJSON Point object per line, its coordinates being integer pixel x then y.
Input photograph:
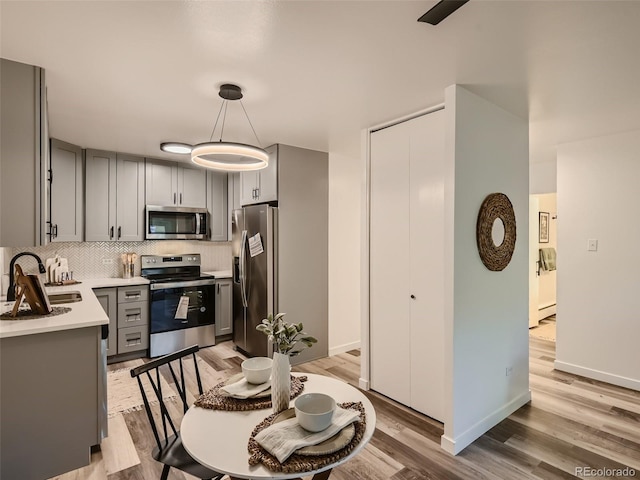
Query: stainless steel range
{"type": "Point", "coordinates": [182, 306]}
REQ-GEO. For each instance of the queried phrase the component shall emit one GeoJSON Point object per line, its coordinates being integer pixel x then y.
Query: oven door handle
{"type": "Point", "coordinates": [243, 266]}
{"type": "Point", "coordinates": [185, 283]}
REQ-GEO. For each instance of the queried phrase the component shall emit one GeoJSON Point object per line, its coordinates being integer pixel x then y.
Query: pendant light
{"type": "Point", "coordinates": [225, 156]}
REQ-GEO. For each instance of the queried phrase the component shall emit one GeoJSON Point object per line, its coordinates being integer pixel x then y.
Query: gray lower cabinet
{"type": "Point", "coordinates": [51, 402]}
{"type": "Point", "coordinates": [66, 192]}
{"type": "Point", "coordinates": [133, 319]}
{"type": "Point", "coordinates": [115, 196]}
{"type": "Point", "coordinates": [224, 306]}
{"type": "Point", "coordinates": [217, 201]}
{"type": "Point", "coordinates": [128, 311]}
{"type": "Point", "coordinates": [108, 298]}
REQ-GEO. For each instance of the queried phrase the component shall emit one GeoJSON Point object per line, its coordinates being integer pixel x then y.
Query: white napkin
{"type": "Point", "coordinates": [244, 389]}
{"type": "Point", "coordinates": [283, 438]}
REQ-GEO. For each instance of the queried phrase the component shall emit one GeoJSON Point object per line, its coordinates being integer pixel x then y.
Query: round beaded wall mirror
{"type": "Point", "coordinates": [496, 206]}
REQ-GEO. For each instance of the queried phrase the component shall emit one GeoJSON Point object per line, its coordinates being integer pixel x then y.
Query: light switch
{"type": "Point", "coordinates": [592, 245]}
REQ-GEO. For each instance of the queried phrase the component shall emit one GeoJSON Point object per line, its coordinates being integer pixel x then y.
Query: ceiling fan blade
{"type": "Point", "coordinates": [441, 10]}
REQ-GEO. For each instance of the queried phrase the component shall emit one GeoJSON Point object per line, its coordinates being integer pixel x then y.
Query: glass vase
{"type": "Point", "coordinates": [280, 382]}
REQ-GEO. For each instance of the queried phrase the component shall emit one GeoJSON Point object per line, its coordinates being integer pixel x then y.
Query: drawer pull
{"type": "Point", "coordinates": [133, 341]}
{"type": "Point", "coordinates": [132, 295]}
{"type": "Point", "coordinates": [135, 317]}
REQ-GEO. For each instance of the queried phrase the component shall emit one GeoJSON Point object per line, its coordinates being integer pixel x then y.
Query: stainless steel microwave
{"type": "Point", "coordinates": [175, 223]}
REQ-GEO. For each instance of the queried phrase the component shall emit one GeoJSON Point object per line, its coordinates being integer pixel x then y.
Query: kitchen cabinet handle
{"type": "Point", "coordinates": [174, 198]}
{"type": "Point", "coordinates": [111, 233]}
{"type": "Point", "coordinates": [180, 198]}
{"type": "Point", "coordinates": [55, 231]}
{"type": "Point", "coordinates": [119, 232]}
{"type": "Point", "coordinates": [131, 342]}
{"type": "Point", "coordinates": [209, 234]}
{"type": "Point", "coordinates": [218, 289]}
{"type": "Point", "coordinates": [129, 295]}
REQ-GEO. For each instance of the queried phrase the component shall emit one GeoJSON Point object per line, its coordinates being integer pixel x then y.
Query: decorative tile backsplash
{"type": "Point", "coordinates": [102, 259]}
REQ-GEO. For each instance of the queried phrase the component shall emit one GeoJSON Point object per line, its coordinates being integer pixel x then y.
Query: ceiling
{"type": "Point", "coordinates": [125, 75]}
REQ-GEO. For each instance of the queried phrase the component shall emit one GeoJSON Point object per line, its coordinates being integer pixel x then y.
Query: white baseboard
{"type": "Point", "coordinates": [546, 311]}
{"type": "Point", "coordinates": [363, 384]}
{"type": "Point", "coordinates": [455, 445]}
{"type": "Point", "coordinates": [611, 378]}
{"type": "Point", "coordinates": [343, 348]}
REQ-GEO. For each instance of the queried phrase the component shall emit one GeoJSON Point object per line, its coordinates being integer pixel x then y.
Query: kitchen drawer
{"type": "Point", "coordinates": [138, 293]}
{"type": "Point", "coordinates": [133, 314]}
{"type": "Point", "coordinates": [133, 339]}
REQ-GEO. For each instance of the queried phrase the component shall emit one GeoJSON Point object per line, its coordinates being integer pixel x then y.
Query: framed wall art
{"type": "Point", "coordinates": [543, 228]}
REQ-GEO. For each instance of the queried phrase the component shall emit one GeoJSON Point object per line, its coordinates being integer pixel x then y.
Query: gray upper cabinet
{"type": "Point", "coordinates": [172, 184]}
{"type": "Point", "coordinates": [161, 182]}
{"type": "Point", "coordinates": [217, 201]}
{"type": "Point", "coordinates": [192, 187]}
{"type": "Point", "coordinates": [23, 155]}
{"type": "Point", "coordinates": [261, 186]}
{"type": "Point", "coordinates": [115, 197]}
{"type": "Point", "coordinates": [66, 192]}
{"type": "Point", "coordinates": [130, 198]}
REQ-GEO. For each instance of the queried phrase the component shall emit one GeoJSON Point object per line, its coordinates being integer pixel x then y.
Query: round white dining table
{"type": "Point", "coordinates": [218, 439]}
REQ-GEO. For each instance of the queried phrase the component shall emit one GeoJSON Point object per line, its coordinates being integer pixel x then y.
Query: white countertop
{"type": "Point", "coordinates": [219, 273]}
{"type": "Point", "coordinates": [86, 313]}
{"type": "Point", "coordinates": [113, 282]}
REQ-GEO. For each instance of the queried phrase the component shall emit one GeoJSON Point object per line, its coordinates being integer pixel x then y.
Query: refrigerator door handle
{"type": "Point", "coordinates": [243, 266]}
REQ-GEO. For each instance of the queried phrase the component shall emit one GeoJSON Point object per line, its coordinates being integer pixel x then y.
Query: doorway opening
{"type": "Point", "coordinates": [543, 224]}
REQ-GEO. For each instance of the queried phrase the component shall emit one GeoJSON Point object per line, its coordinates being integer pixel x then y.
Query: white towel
{"type": "Point", "coordinates": [244, 389]}
{"type": "Point", "coordinates": [283, 438]}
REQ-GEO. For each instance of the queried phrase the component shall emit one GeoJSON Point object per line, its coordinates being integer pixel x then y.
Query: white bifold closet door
{"type": "Point", "coordinates": [407, 263]}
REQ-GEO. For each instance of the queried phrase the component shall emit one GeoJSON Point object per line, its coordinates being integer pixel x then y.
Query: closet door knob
{"type": "Point", "coordinates": [413, 296]}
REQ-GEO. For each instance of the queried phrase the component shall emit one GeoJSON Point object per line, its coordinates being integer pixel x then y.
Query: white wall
{"type": "Point", "coordinates": [345, 178]}
{"type": "Point", "coordinates": [486, 317]}
{"type": "Point", "coordinates": [542, 177]}
{"type": "Point", "coordinates": [599, 292]}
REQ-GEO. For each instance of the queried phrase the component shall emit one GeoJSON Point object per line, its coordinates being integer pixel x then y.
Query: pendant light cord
{"type": "Point", "coordinates": [224, 117]}
{"type": "Point", "coordinates": [251, 124]}
{"type": "Point", "coordinates": [224, 102]}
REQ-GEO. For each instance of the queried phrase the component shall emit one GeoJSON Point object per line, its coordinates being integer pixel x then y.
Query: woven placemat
{"type": "Point", "coordinates": [297, 463]}
{"type": "Point", "coordinates": [214, 400]}
{"type": "Point", "coordinates": [29, 315]}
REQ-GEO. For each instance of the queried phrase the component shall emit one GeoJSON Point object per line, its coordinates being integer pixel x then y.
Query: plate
{"type": "Point", "coordinates": [236, 378]}
{"type": "Point", "coordinates": [330, 445]}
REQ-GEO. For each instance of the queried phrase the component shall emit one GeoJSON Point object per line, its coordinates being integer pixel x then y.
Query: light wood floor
{"type": "Point", "coordinates": [571, 422]}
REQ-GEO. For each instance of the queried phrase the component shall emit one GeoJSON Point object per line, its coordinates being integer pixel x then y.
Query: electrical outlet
{"type": "Point", "coordinates": [107, 261]}
{"type": "Point", "coordinates": [508, 371]}
{"type": "Point", "coordinates": [592, 245]}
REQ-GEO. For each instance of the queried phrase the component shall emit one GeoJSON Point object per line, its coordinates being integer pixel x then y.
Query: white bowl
{"type": "Point", "coordinates": [314, 411]}
{"type": "Point", "coordinates": [257, 369]}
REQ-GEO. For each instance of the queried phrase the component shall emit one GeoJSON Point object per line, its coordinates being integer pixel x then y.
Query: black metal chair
{"type": "Point", "coordinates": [170, 450]}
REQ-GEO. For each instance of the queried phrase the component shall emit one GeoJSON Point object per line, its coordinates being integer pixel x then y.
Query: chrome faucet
{"type": "Point", "coordinates": [11, 292]}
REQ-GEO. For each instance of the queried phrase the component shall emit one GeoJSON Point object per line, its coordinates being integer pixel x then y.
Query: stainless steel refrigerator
{"type": "Point", "coordinates": [255, 276]}
{"type": "Point", "coordinates": [286, 271]}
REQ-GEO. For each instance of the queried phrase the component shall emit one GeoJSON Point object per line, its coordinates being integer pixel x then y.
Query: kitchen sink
{"type": "Point", "coordinates": [66, 297]}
